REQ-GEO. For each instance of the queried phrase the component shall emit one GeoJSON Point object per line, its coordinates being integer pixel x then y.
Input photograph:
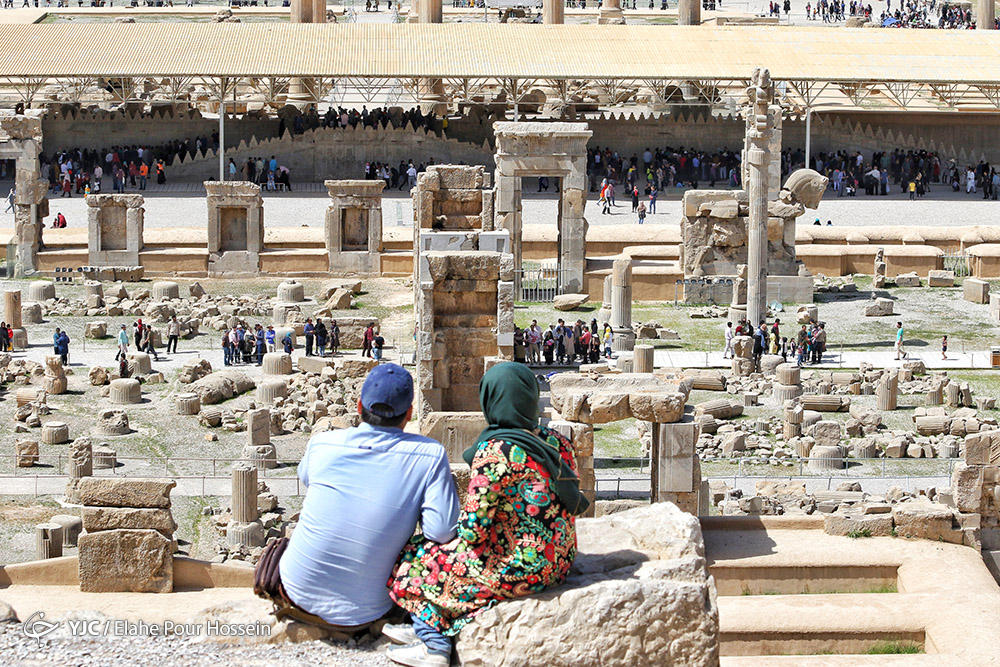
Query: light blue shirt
{"type": "Point", "coordinates": [367, 487]}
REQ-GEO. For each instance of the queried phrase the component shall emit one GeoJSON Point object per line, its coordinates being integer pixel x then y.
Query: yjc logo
{"type": "Point", "coordinates": [36, 627]}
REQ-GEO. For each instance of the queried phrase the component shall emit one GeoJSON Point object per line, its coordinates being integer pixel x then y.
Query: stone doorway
{"type": "Point", "coordinates": [113, 232]}
{"type": "Point", "coordinates": [557, 151]}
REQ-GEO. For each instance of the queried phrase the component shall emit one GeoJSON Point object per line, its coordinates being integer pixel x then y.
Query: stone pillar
{"type": "Point", "coordinates": [430, 11]}
{"type": "Point", "coordinates": [48, 541]}
{"type": "Point", "coordinates": [604, 314]}
{"type": "Point", "coordinates": [244, 499]}
{"type": "Point", "coordinates": [621, 306]}
{"type": "Point", "coordinates": [31, 200]}
{"type": "Point", "coordinates": [319, 11]}
{"type": "Point", "coordinates": [985, 14]}
{"type": "Point", "coordinates": [12, 308]}
{"type": "Point", "coordinates": [689, 12]}
{"type": "Point", "coordinates": [675, 470]}
{"type": "Point", "coordinates": [642, 359]}
{"type": "Point", "coordinates": [774, 148]}
{"type": "Point", "coordinates": [553, 11]}
{"type": "Point", "coordinates": [759, 128]}
{"type": "Point", "coordinates": [611, 12]}
{"type": "Point", "coordinates": [886, 390]}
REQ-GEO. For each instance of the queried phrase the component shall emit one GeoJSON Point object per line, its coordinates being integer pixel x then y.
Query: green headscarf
{"type": "Point", "coordinates": [508, 393]}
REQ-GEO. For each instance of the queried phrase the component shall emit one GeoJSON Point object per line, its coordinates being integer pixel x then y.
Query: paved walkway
{"type": "Point", "coordinates": [833, 359]}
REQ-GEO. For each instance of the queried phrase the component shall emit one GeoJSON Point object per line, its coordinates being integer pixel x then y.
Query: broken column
{"type": "Point", "coordinates": [787, 383]}
{"type": "Point", "coordinates": [48, 541]}
{"type": "Point", "coordinates": [935, 393]}
{"type": "Point", "coordinates": [759, 127]}
{"type": "Point", "coordinates": [621, 306]}
{"type": "Point", "coordinates": [354, 226]}
{"type": "Point", "coordinates": [742, 362]}
{"type": "Point", "coordinates": [886, 390]}
{"type": "Point", "coordinates": [55, 376]}
{"type": "Point", "coordinates": [114, 229]}
{"type": "Point", "coordinates": [794, 415]}
{"type": "Point", "coordinates": [12, 315]}
{"type": "Point", "coordinates": [235, 228]}
{"type": "Point", "coordinates": [642, 359]}
{"type": "Point", "coordinates": [259, 451]}
{"type": "Point", "coordinates": [129, 540]}
{"type": "Point", "coordinates": [675, 467]}
{"type": "Point", "coordinates": [611, 13]}
{"type": "Point", "coordinates": [245, 528]}
{"type": "Point", "coordinates": [81, 464]}
{"type": "Point", "coordinates": [553, 11]}
{"type": "Point", "coordinates": [738, 304]}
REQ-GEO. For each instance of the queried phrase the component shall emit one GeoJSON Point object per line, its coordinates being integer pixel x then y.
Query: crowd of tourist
{"type": "Point", "coordinates": [396, 178]}
{"type": "Point", "coordinates": [563, 343]}
{"type": "Point", "coordinates": [807, 347]}
{"type": "Point", "coordinates": [377, 117]}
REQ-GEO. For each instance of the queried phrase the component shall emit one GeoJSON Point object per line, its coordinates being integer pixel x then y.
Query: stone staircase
{"type": "Point", "coordinates": [791, 594]}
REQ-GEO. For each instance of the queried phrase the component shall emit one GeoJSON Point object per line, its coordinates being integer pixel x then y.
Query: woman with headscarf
{"type": "Point", "coordinates": [516, 532]}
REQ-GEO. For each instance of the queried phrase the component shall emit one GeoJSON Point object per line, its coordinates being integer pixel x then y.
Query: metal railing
{"type": "Point", "coordinates": [540, 283]}
{"type": "Point", "coordinates": [957, 260]}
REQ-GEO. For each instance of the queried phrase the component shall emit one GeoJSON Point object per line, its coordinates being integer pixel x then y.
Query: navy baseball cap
{"type": "Point", "coordinates": [387, 391]}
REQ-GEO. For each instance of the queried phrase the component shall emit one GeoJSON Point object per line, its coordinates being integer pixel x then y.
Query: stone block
{"type": "Point", "coordinates": [104, 492]}
{"type": "Point", "coordinates": [96, 519]}
{"type": "Point", "coordinates": [313, 364]}
{"type": "Point", "coordinates": [976, 290]}
{"type": "Point", "coordinates": [660, 408]}
{"type": "Point", "coordinates": [926, 521]}
{"type": "Point", "coordinates": [138, 561]}
{"type": "Point", "coordinates": [26, 453]}
{"type": "Point", "coordinates": [940, 278]}
{"type": "Point", "coordinates": [642, 571]}
{"type": "Point", "coordinates": [908, 280]}
{"type": "Point", "coordinates": [569, 301]}
{"type": "Point", "coordinates": [967, 487]}
{"type": "Point", "coordinates": [880, 307]}
{"type": "Point", "coordinates": [843, 524]}
{"type": "Point", "coordinates": [456, 431]}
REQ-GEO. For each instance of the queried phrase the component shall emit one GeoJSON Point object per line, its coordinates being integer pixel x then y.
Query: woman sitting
{"type": "Point", "coordinates": [516, 533]}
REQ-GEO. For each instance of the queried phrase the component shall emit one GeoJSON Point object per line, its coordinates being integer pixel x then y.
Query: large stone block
{"type": "Point", "coordinates": [138, 561]}
{"type": "Point", "coordinates": [640, 576]}
{"type": "Point", "coordinates": [976, 290]}
{"type": "Point", "coordinates": [940, 278]}
{"type": "Point", "coordinates": [880, 307]}
{"type": "Point", "coordinates": [926, 521]}
{"type": "Point", "coordinates": [104, 492]}
{"type": "Point", "coordinates": [456, 431]}
{"type": "Point", "coordinates": [96, 519]}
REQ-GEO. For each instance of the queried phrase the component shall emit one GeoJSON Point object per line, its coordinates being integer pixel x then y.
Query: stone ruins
{"type": "Point", "coordinates": [354, 227]}
{"type": "Point", "coordinates": [235, 228]}
{"type": "Point", "coordinates": [115, 228]}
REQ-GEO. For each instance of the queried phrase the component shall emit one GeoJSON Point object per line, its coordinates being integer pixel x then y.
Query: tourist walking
{"type": "Point", "coordinates": [122, 343]}
{"type": "Point", "coordinates": [944, 347]}
{"type": "Point", "coordinates": [900, 352]}
{"type": "Point", "coordinates": [173, 333]}
{"type": "Point", "coordinates": [334, 337]}
{"type": "Point", "coordinates": [366, 341]}
{"type": "Point", "coordinates": [727, 351]}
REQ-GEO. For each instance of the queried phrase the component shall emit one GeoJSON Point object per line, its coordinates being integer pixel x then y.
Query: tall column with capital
{"type": "Point", "coordinates": [759, 128]}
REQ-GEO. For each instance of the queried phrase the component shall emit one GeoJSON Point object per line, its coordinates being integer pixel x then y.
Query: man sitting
{"type": "Point", "coordinates": [366, 489]}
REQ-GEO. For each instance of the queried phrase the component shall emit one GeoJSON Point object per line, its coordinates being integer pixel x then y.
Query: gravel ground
{"type": "Point", "coordinates": [16, 649]}
{"type": "Point", "coordinates": [298, 209]}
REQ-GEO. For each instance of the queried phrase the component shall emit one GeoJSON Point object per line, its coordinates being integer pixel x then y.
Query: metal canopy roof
{"type": "Point", "coordinates": [497, 51]}
{"type": "Point", "coordinates": [603, 65]}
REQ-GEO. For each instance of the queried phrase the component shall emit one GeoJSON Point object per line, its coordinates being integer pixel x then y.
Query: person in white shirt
{"type": "Point", "coordinates": [728, 351]}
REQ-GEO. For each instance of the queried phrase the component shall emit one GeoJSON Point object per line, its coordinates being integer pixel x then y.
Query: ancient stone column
{"type": "Point", "coordinates": [621, 306]}
{"type": "Point", "coordinates": [55, 433]}
{"type": "Point", "coordinates": [611, 12]}
{"type": "Point", "coordinates": [430, 11]}
{"type": "Point", "coordinates": [12, 308]}
{"type": "Point", "coordinates": [985, 14]}
{"type": "Point", "coordinates": [187, 404]}
{"type": "Point", "coordinates": [886, 390]}
{"type": "Point", "coordinates": [48, 541]}
{"type": "Point", "coordinates": [934, 395]}
{"type": "Point", "coordinates": [604, 314]}
{"type": "Point", "coordinates": [268, 391]}
{"type": "Point", "coordinates": [277, 363]}
{"type": "Point", "coordinates": [244, 500]}
{"type": "Point", "coordinates": [642, 359]}
{"type": "Point", "coordinates": [826, 457]}
{"type": "Point", "coordinates": [124, 391]}
{"type": "Point", "coordinates": [759, 128]}
{"type": "Point", "coordinates": [689, 12]}
{"type": "Point", "coordinates": [553, 11]}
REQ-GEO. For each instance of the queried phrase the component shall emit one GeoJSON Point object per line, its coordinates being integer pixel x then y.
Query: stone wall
{"type": "Point", "coordinates": [324, 153]}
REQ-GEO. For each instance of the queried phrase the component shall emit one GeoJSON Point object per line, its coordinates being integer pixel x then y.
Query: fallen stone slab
{"type": "Point", "coordinates": [880, 307]}
{"type": "Point", "coordinates": [940, 278]}
{"type": "Point", "coordinates": [138, 561]}
{"type": "Point", "coordinates": [928, 521]}
{"type": "Point", "coordinates": [607, 398]}
{"type": "Point", "coordinates": [640, 575]}
{"type": "Point", "coordinates": [221, 385]}
{"type": "Point", "coordinates": [852, 524]}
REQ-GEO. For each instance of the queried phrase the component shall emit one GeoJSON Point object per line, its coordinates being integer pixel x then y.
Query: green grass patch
{"type": "Point", "coordinates": [856, 533]}
{"type": "Point", "coordinates": [619, 438]}
{"type": "Point", "coordinates": [895, 648]}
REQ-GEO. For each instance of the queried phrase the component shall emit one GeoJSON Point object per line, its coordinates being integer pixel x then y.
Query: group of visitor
{"type": "Point", "coordinates": [402, 177]}
{"type": "Point", "coordinates": [88, 172]}
{"type": "Point", "coordinates": [268, 174]}
{"type": "Point", "coordinates": [320, 338]}
{"type": "Point", "coordinates": [563, 343]}
{"type": "Point", "coordinates": [806, 348]}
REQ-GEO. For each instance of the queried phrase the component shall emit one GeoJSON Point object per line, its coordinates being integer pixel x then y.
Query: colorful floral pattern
{"type": "Point", "coordinates": [514, 538]}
